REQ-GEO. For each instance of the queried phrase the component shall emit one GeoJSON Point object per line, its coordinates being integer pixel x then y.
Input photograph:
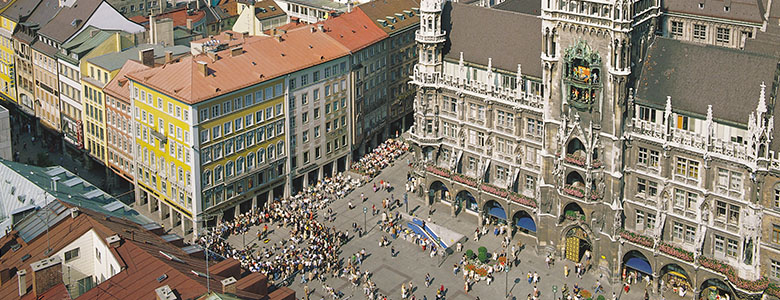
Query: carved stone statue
{"type": "Point", "coordinates": [462, 135]}
{"type": "Point", "coordinates": [705, 213]}
{"type": "Point", "coordinates": [598, 220]}
{"type": "Point", "coordinates": [518, 154]}
{"type": "Point", "coordinates": [489, 146]}
{"type": "Point", "coordinates": [546, 204]}
{"type": "Point", "coordinates": [616, 224]}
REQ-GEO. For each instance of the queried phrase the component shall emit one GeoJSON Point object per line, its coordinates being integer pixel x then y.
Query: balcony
{"type": "Point", "coordinates": [426, 140]}
{"type": "Point", "coordinates": [496, 93]}
{"type": "Point", "coordinates": [688, 139]}
{"type": "Point", "coordinates": [438, 37]}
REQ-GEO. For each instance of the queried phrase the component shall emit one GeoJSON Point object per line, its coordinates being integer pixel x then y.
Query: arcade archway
{"type": "Point", "coordinates": [714, 288]}
{"type": "Point", "coordinates": [637, 263]}
{"type": "Point", "coordinates": [438, 192]}
{"type": "Point", "coordinates": [495, 212]}
{"type": "Point", "coordinates": [675, 280]}
{"type": "Point", "coordinates": [573, 211]}
{"type": "Point", "coordinates": [524, 222]}
{"type": "Point", "coordinates": [578, 244]}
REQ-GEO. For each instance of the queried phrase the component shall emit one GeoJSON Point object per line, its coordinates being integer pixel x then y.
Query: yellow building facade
{"type": "Point", "coordinates": [7, 72]}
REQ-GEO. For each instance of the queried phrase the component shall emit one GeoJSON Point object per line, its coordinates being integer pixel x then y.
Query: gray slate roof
{"type": "Point", "coordinates": [530, 7]}
{"type": "Point", "coordinates": [739, 10]}
{"type": "Point", "coordinates": [115, 61]}
{"type": "Point", "coordinates": [69, 20]}
{"type": "Point", "coordinates": [696, 75]}
{"type": "Point", "coordinates": [20, 9]}
{"type": "Point", "coordinates": [509, 38]}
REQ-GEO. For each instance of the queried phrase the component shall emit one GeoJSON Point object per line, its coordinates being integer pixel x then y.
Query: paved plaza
{"type": "Point", "coordinates": [411, 263]}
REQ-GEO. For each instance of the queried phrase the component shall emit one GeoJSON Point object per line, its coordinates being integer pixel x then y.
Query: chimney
{"type": "Point", "coordinates": [236, 51]}
{"type": "Point", "coordinates": [203, 68]}
{"type": "Point", "coordinates": [54, 183]}
{"type": "Point", "coordinates": [114, 240]}
{"type": "Point", "coordinates": [321, 27]}
{"type": "Point", "coordinates": [229, 285]}
{"type": "Point", "coordinates": [5, 275]}
{"type": "Point", "coordinates": [22, 275]}
{"type": "Point", "coordinates": [313, 29]}
{"type": "Point", "coordinates": [118, 42]}
{"type": "Point", "coordinates": [213, 55]}
{"type": "Point", "coordinates": [165, 293]}
{"type": "Point", "coordinates": [230, 35]}
{"type": "Point", "coordinates": [74, 212]}
{"type": "Point", "coordinates": [46, 274]}
{"type": "Point", "coordinates": [189, 24]}
{"type": "Point", "coordinates": [168, 56]}
{"type": "Point", "coordinates": [152, 29]}
{"type": "Point", "coordinates": [146, 57]}
{"type": "Point", "coordinates": [349, 6]}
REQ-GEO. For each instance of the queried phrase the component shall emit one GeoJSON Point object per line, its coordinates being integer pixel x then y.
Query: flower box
{"type": "Point", "coordinates": [573, 191]}
{"type": "Point", "coordinates": [439, 171]}
{"type": "Point", "coordinates": [637, 238]}
{"type": "Point", "coordinates": [464, 180]}
{"type": "Point", "coordinates": [522, 200]}
{"type": "Point", "coordinates": [676, 252]}
{"type": "Point", "coordinates": [597, 164]}
{"type": "Point", "coordinates": [494, 190]}
{"type": "Point", "coordinates": [725, 269]}
{"type": "Point", "coordinates": [570, 158]}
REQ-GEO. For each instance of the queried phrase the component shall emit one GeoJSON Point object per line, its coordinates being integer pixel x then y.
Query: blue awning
{"type": "Point", "coordinates": [527, 223]}
{"type": "Point", "coordinates": [639, 264]}
{"type": "Point", "coordinates": [497, 212]}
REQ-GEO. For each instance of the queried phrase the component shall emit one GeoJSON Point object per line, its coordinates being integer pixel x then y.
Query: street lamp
{"type": "Point", "coordinates": [406, 201]}
{"type": "Point", "coordinates": [365, 211]}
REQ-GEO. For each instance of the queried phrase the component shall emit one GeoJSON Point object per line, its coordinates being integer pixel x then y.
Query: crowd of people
{"type": "Point", "coordinates": [382, 156]}
{"type": "Point", "coordinates": [312, 248]}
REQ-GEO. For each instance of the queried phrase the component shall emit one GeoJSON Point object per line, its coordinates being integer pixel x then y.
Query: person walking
{"type": "Point", "coordinates": [427, 280]}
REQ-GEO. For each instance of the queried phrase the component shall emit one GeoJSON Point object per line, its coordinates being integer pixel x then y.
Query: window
{"type": "Point", "coordinates": [732, 248]}
{"type": "Point", "coordinates": [229, 169]}
{"type": "Point", "coordinates": [650, 221]}
{"type": "Point", "coordinates": [687, 168]}
{"type": "Point", "coordinates": [501, 173]}
{"type": "Point", "coordinates": [227, 128]}
{"type": "Point", "coordinates": [775, 234]}
{"type": "Point", "coordinates": [719, 246]}
{"type": "Point", "coordinates": [699, 32]}
{"type": "Point", "coordinates": [678, 231]}
{"type": "Point", "coordinates": [216, 132]}
{"type": "Point", "coordinates": [774, 269]}
{"type": "Point", "coordinates": [677, 29]}
{"type": "Point", "coordinates": [777, 197]}
{"type": "Point", "coordinates": [72, 254]}
{"type": "Point", "coordinates": [259, 116]}
{"type": "Point", "coordinates": [733, 214]}
{"type": "Point", "coordinates": [530, 183]}
{"type": "Point", "coordinates": [317, 152]}
{"type": "Point", "coordinates": [534, 127]}
{"type": "Point", "coordinates": [642, 156]}
{"type": "Point", "coordinates": [684, 200]}
{"type": "Point", "coordinates": [690, 234]}
{"type": "Point", "coordinates": [647, 114]}
{"type": "Point", "coordinates": [317, 113]}
{"type": "Point", "coordinates": [723, 35]}
{"type": "Point", "coordinates": [640, 220]}
{"type": "Point", "coordinates": [305, 117]}
{"type": "Point", "coordinates": [729, 181]}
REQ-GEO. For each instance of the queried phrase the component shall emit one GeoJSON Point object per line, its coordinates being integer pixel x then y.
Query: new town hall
{"type": "Point", "coordinates": [638, 132]}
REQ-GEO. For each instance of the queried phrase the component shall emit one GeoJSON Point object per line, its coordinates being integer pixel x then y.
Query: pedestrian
{"type": "Point", "coordinates": [455, 269]}
{"type": "Point", "coordinates": [566, 271]}
{"type": "Point", "coordinates": [536, 277]}
{"type": "Point", "coordinates": [427, 280]}
{"type": "Point", "coordinates": [392, 251]}
{"type": "Point", "coordinates": [529, 277]}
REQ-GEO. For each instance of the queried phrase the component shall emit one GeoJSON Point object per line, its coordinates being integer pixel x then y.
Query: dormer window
{"type": "Point", "coordinates": [701, 5]}
{"type": "Point", "coordinates": [726, 8]}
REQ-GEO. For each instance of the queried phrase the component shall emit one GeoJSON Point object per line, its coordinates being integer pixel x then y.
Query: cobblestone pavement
{"type": "Point", "coordinates": [411, 264]}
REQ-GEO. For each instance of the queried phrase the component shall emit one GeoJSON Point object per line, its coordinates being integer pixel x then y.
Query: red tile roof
{"type": "Point", "coordinates": [118, 87]}
{"type": "Point", "coordinates": [179, 17]}
{"type": "Point", "coordinates": [260, 60]}
{"type": "Point", "coordinates": [354, 30]}
{"type": "Point", "coordinates": [141, 254]}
